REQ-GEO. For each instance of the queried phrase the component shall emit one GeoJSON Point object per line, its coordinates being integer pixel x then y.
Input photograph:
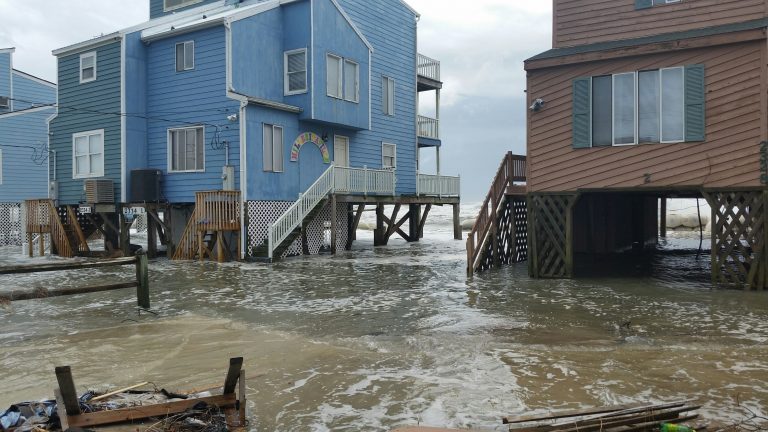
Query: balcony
{"type": "Point", "coordinates": [428, 74]}
{"type": "Point", "coordinates": [428, 127]}
{"type": "Point", "coordinates": [438, 185]}
{"type": "Point", "coordinates": [363, 181]}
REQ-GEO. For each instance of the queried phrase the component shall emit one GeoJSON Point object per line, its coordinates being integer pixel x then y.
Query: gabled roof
{"type": "Point", "coordinates": [352, 24]}
{"type": "Point", "coordinates": [667, 37]}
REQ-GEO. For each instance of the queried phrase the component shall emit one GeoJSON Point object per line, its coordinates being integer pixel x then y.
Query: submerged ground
{"type": "Point", "coordinates": [382, 337]}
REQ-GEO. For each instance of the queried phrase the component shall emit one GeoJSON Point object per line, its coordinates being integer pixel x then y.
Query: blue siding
{"type": "Point", "coordinates": [297, 17]}
{"type": "Point", "coordinates": [156, 7]}
{"type": "Point", "coordinates": [136, 105]}
{"type": "Point", "coordinates": [85, 107]}
{"type": "Point", "coordinates": [257, 55]}
{"type": "Point", "coordinates": [5, 77]}
{"type": "Point", "coordinates": [334, 35]}
{"type": "Point", "coordinates": [391, 28]}
{"type": "Point", "coordinates": [181, 99]}
{"type": "Point", "coordinates": [28, 92]}
{"type": "Point", "coordinates": [24, 168]}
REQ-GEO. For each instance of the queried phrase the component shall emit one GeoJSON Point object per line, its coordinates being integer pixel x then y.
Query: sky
{"type": "Point", "coordinates": [481, 45]}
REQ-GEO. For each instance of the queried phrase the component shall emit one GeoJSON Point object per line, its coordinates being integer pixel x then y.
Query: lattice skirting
{"type": "Point", "coordinates": [12, 224]}
{"type": "Point", "coordinates": [263, 213]}
{"type": "Point", "coordinates": [551, 237]}
{"type": "Point", "coordinates": [739, 238]}
{"type": "Point", "coordinates": [512, 239]}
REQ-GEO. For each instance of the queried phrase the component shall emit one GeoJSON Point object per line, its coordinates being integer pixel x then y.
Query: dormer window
{"type": "Point", "coordinates": [87, 67]}
{"type": "Point", "coordinates": [185, 56]}
{"type": "Point", "coordinates": [169, 5]}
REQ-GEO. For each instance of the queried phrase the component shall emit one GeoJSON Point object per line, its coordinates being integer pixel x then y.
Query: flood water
{"type": "Point", "coordinates": [383, 337]}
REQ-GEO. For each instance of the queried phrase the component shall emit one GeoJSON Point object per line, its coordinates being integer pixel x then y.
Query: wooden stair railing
{"type": "Point", "coordinates": [512, 168]}
{"type": "Point", "coordinates": [82, 240]}
{"type": "Point", "coordinates": [59, 235]}
{"type": "Point", "coordinates": [187, 247]}
{"type": "Point", "coordinates": [215, 212]}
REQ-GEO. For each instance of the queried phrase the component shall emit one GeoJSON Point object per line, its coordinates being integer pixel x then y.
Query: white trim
{"type": "Point", "coordinates": [314, 61]}
{"type": "Point", "coordinates": [10, 80]}
{"type": "Point", "coordinates": [352, 24]}
{"type": "Point", "coordinates": [348, 161]}
{"type": "Point", "coordinates": [95, 56]}
{"type": "Point", "coordinates": [243, 173]}
{"type": "Point", "coordinates": [286, 90]}
{"type": "Point", "coordinates": [26, 111]}
{"type": "Point", "coordinates": [7, 50]}
{"type": "Point", "coordinates": [228, 60]}
{"type": "Point", "coordinates": [1, 166]}
{"type": "Point", "coordinates": [35, 79]}
{"type": "Point", "coordinates": [418, 15]}
{"type": "Point", "coordinates": [170, 149]}
{"type": "Point", "coordinates": [394, 146]}
{"type": "Point", "coordinates": [90, 44]}
{"type": "Point", "coordinates": [281, 146]}
{"type": "Point", "coordinates": [385, 109]}
{"type": "Point", "coordinates": [185, 4]}
{"type": "Point", "coordinates": [74, 154]}
{"type": "Point", "coordinates": [123, 127]}
{"type": "Point", "coordinates": [357, 80]}
{"type": "Point", "coordinates": [370, 91]}
{"type": "Point", "coordinates": [184, 67]}
{"type": "Point", "coordinates": [341, 76]}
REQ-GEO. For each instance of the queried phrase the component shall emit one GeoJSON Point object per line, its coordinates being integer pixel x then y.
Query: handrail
{"type": "Point", "coordinates": [292, 218]}
{"type": "Point", "coordinates": [512, 169]}
{"type": "Point", "coordinates": [428, 127]}
{"type": "Point", "coordinates": [428, 67]}
{"type": "Point", "coordinates": [58, 234]}
{"type": "Point", "coordinates": [217, 210]}
{"type": "Point", "coordinates": [364, 181]}
{"type": "Point", "coordinates": [438, 185]}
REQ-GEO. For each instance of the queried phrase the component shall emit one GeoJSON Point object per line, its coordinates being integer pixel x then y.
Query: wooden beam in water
{"type": "Point", "coordinates": [67, 389]}
{"type": "Point", "coordinates": [39, 268]}
{"type": "Point", "coordinates": [457, 234]}
{"type": "Point", "coordinates": [59, 292]}
{"type": "Point", "coordinates": [233, 373]}
{"type": "Point", "coordinates": [423, 222]}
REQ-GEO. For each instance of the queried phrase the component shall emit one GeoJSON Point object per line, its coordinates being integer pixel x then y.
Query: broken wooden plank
{"type": "Point", "coordinates": [235, 365]}
{"type": "Point", "coordinates": [42, 293]}
{"type": "Point", "coordinates": [122, 390]}
{"type": "Point", "coordinates": [39, 268]}
{"type": "Point", "coordinates": [63, 417]}
{"type": "Point", "coordinates": [67, 390]}
{"type": "Point", "coordinates": [142, 412]}
{"type": "Point", "coordinates": [566, 414]}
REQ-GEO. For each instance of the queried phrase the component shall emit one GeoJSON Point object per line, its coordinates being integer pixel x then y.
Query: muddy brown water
{"type": "Point", "coordinates": [378, 338]}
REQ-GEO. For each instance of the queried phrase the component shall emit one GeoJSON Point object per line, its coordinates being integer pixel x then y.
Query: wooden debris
{"type": "Point", "coordinates": [122, 390]}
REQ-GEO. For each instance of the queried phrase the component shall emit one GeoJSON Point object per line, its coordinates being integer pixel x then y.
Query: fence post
{"type": "Point", "coordinates": [142, 279]}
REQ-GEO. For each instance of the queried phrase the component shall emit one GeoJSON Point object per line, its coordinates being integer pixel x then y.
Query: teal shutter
{"type": "Point", "coordinates": [643, 4]}
{"type": "Point", "coordinates": [695, 96]}
{"type": "Point", "coordinates": [582, 116]}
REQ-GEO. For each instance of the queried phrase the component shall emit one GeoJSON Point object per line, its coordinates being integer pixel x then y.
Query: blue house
{"type": "Point", "coordinates": [257, 123]}
{"type": "Point", "coordinates": [26, 103]}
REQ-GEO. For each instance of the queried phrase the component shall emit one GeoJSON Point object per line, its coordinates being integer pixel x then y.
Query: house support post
{"type": "Point", "coordinates": [423, 222]}
{"type": "Point", "coordinates": [380, 234]}
{"type": "Point", "coordinates": [351, 228]}
{"type": "Point", "coordinates": [124, 232]}
{"type": "Point", "coordinates": [152, 229]}
{"type": "Point", "coordinates": [663, 218]}
{"type": "Point", "coordinates": [334, 225]}
{"type": "Point", "coordinates": [457, 222]}
{"type": "Point", "coordinates": [414, 218]}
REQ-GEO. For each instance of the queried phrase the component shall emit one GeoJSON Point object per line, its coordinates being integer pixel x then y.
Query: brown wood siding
{"type": "Point", "coordinates": [579, 22]}
{"type": "Point", "coordinates": [729, 157]}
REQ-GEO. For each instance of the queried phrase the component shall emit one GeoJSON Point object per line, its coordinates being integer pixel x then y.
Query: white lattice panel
{"type": "Point", "coordinates": [260, 215]}
{"type": "Point", "coordinates": [11, 226]}
{"type": "Point", "coordinates": [263, 213]}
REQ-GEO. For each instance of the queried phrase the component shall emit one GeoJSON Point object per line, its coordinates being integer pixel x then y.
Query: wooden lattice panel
{"type": "Point", "coordinates": [739, 253]}
{"type": "Point", "coordinates": [510, 244]}
{"type": "Point", "coordinates": [550, 216]}
{"type": "Point", "coordinates": [520, 221]}
{"type": "Point", "coordinates": [11, 225]}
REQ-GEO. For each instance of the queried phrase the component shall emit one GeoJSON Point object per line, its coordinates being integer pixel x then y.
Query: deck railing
{"type": "Point", "coordinates": [512, 169]}
{"type": "Point", "coordinates": [428, 67]}
{"type": "Point", "coordinates": [428, 127]}
{"type": "Point", "coordinates": [438, 185]}
{"type": "Point", "coordinates": [217, 210]}
{"type": "Point", "coordinates": [38, 215]}
{"type": "Point", "coordinates": [355, 181]}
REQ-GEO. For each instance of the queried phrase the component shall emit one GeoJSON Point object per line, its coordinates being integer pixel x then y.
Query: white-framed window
{"type": "Point", "coordinates": [186, 149]}
{"type": "Point", "coordinates": [388, 156]}
{"type": "Point", "coordinates": [639, 107]}
{"type": "Point", "coordinates": [185, 56]}
{"type": "Point", "coordinates": [295, 66]}
{"type": "Point", "coordinates": [88, 154]}
{"type": "Point", "coordinates": [388, 95]}
{"type": "Point", "coordinates": [351, 81]}
{"type": "Point", "coordinates": [169, 5]}
{"type": "Point", "coordinates": [273, 148]}
{"type": "Point", "coordinates": [334, 76]}
{"type": "Point", "coordinates": [87, 67]}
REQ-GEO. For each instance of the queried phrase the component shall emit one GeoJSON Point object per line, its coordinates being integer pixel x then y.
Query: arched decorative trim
{"type": "Point", "coordinates": [316, 140]}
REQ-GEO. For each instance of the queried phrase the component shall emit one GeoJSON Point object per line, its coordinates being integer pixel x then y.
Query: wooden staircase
{"type": "Point", "coordinates": [62, 224]}
{"type": "Point", "coordinates": [261, 252]}
{"type": "Point", "coordinates": [215, 218]}
{"type": "Point", "coordinates": [499, 235]}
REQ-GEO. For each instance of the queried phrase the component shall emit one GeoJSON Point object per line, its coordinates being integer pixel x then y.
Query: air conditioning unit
{"type": "Point", "coordinates": [5, 102]}
{"type": "Point", "coordinates": [100, 191]}
{"type": "Point", "coordinates": [145, 186]}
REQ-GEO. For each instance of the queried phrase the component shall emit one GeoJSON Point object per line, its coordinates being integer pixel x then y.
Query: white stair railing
{"type": "Point", "coordinates": [292, 218]}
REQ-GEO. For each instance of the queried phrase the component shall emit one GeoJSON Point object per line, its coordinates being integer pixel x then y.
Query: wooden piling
{"type": "Point", "coordinates": [68, 391]}
{"type": "Point", "coordinates": [379, 234]}
{"type": "Point", "coordinates": [152, 231]}
{"type": "Point", "coordinates": [457, 234]}
{"type": "Point", "coordinates": [414, 211]}
{"type": "Point", "coordinates": [142, 279]}
{"type": "Point", "coordinates": [663, 218]}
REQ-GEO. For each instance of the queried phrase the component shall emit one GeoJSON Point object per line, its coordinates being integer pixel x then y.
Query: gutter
{"type": "Point", "coordinates": [93, 43]}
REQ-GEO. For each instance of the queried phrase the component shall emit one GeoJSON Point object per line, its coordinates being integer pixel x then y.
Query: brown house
{"type": "Point", "coordinates": [638, 101]}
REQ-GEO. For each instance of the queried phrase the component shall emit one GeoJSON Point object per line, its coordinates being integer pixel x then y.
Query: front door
{"type": "Point", "coordinates": [341, 159]}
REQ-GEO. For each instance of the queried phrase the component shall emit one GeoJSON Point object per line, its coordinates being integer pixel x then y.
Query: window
{"type": "Point", "coordinates": [295, 71]}
{"type": "Point", "coordinates": [638, 107]}
{"type": "Point", "coordinates": [185, 56]}
{"type": "Point", "coordinates": [273, 148]}
{"type": "Point", "coordinates": [87, 67]}
{"type": "Point", "coordinates": [333, 76]}
{"type": "Point", "coordinates": [388, 156]}
{"type": "Point", "coordinates": [186, 148]}
{"type": "Point", "coordinates": [88, 151]}
{"type": "Point", "coordinates": [351, 81]}
{"type": "Point", "coordinates": [388, 95]}
{"type": "Point", "coordinates": [169, 5]}
{"type": "Point", "coordinates": [645, 4]}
